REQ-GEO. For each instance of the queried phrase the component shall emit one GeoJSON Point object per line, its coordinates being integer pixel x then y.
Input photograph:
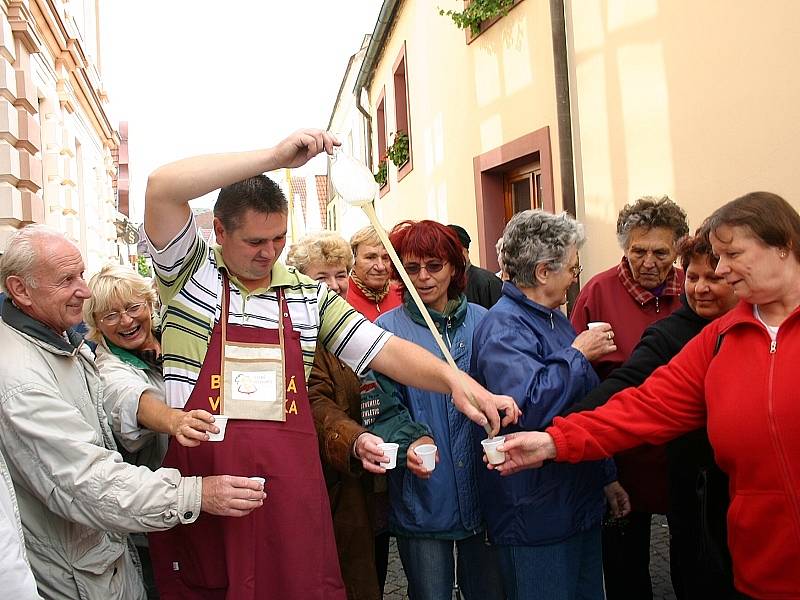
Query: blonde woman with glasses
{"type": "Point", "coordinates": [120, 319]}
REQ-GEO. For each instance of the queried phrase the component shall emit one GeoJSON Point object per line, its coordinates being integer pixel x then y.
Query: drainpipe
{"type": "Point", "coordinates": [368, 129]}
{"type": "Point", "coordinates": [558, 27]}
{"type": "Point", "coordinates": [564, 116]}
{"type": "Point", "coordinates": [379, 35]}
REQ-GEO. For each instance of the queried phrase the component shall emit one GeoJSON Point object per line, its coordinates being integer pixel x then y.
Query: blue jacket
{"type": "Point", "coordinates": [523, 349]}
{"type": "Point", "coordinates": [445, 506]}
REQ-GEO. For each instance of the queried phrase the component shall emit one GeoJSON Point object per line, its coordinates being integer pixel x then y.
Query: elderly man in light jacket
{"type": "Point", "coordinates": [77, 498]}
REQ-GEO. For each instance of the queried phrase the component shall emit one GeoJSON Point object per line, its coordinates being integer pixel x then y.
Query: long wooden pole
{"type": "Point", "coordinates": [369, 209]}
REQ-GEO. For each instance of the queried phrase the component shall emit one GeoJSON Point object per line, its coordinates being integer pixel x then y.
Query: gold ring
{"type": "Point", "coordinates": [610, 337]}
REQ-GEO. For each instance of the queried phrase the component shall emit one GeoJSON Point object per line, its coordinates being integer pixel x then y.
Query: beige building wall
{"type": "Point", "coordinates": [464, 100]}
{"type": "Point", "coordinates": [697, 100]}
{"type": "Point", "coordinates": [55, 154]}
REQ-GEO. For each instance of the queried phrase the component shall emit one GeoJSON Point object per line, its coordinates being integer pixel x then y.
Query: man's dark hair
{"type": "Point", "coordinates": [697, 246]}
{"type": "Point", "coordinates": [258, 193]}
{"type": "Point", "coordinates": [462, 234]}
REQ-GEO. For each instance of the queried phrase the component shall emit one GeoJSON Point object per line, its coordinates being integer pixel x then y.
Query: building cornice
{"type": "Point", "coordinates": [73, 67]}
{"type": "Point", "coordinates": [23, 25]}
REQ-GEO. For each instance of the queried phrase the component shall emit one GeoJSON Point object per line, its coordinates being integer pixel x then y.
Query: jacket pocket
{"type": "Point", "coordinates": [763, 541]}
{"type": "Point", "coordinates": [103, 567]}
{"type": "Point", "coordinates": [202, 552]}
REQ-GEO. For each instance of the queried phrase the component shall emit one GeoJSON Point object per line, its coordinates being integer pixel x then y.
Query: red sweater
{"type": "Point", "coordinates": [370, 309]}
{"type": "Point", "coordinates": [748, 396]}
{"type": "Point", "coordinates": [604, 298]}
{"type": "Point", "coordinates": [641, 471]}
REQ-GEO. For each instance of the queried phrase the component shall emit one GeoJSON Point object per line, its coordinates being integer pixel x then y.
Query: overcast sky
{"type": "Point", "coordinates": [198, 76]}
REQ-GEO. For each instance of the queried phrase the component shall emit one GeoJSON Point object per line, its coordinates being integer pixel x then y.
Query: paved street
{"type": "Point", "coordinates": [659, 566]}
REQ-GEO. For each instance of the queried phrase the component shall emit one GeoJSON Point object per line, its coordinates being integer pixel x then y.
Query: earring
{"type": "Point", "coordinates": [783, 254]}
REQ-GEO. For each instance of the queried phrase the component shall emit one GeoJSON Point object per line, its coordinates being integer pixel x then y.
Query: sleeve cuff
{"type": "Point", "coordinates": [560, 442]}
{"type": "Point", "coordinates": [190, 499]}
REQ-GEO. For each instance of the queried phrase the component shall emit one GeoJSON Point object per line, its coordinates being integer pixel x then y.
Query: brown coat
{"type": "Point", "coordinates": [333, 390]}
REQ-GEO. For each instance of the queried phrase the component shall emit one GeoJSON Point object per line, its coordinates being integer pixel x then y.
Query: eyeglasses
{"type": "Point", "coordinates": [433, 266]}
{"type": "Point", "coordinates": [133, 311]}
{"type": "Point", "coordinates": [576, 270]}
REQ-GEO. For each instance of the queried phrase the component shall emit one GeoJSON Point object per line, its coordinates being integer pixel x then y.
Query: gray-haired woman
{"type": "Point", "coordinates": [546, 526]}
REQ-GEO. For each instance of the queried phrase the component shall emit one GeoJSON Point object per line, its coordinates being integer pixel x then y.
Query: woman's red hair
{"type": "Point", "coordinates": [429, 239]}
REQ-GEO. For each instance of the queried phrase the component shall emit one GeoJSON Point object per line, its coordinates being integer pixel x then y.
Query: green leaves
{"type": "Point", "coordinates": [476, 12]}
{"type": "Point", "coordinates": [382, 173]}
{"type": "Point", "coordinates": [398, 151]}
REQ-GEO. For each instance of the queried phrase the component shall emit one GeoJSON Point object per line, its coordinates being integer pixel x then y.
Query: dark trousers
{"type": "Point", "coordinates": [382, 558]}
{"type": "Point", "coordinates": [147, 572]}
{"type": "Point", "coordinates": [626, 557]}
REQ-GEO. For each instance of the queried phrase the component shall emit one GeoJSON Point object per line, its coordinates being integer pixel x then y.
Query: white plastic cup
{"type": "Point", "coordinates": [494, 455]}
{"type": "Point", "coordinates": [260, 480]}
{"type": "Point", "coordinates": [390, 450]}
{"type": "Point", "coordinates": [596, 324]}
{"type": "Point", "coordinates": [427, 452]}
{"type": "Point", "coordinates": [220, 421]}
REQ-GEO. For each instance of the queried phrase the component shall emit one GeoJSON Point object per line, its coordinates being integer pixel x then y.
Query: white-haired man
{"type": "Point", "coordinates": [77, 498]}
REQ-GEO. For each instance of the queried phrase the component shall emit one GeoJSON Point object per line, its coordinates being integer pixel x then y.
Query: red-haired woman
{"type": "Point", "coordinates": [432, 511]}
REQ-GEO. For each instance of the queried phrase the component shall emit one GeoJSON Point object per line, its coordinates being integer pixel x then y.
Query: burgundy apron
{"type": "Point", "coordinates": [283, 550]}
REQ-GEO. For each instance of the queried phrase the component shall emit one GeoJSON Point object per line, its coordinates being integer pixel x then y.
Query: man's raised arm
{"type": "Point", "coordinates": [171, 187]}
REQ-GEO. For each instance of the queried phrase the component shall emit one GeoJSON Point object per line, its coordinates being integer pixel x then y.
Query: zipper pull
{"type": "Point", "coordinates": [552, 326]}
{"type": "Point", "coordinates": [773, 346]}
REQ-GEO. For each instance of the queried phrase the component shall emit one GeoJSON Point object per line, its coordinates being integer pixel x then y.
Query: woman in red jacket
{"type": "Point", "coordinates": [739, 378]}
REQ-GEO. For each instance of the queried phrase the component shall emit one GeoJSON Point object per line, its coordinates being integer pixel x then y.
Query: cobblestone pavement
{"type": "Point", "coordinates": [659, 566]}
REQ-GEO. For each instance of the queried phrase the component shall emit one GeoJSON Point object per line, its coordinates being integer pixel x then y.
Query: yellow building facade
{"type": "Point", "coordinates": [584, 106]}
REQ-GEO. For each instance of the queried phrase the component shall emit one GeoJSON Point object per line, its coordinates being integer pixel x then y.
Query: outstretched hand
{"type": "Point", "coordinates": [366, 449]}
{"type": "Point", "coordinates": [230, 496]}
{"type": "Point", "coordinates": [489, 405]}
{"type": "Point", "coordinates": [525, 450]}
{"type": "Point", "coordinates": [190, 427]}
{"type": "Point", "coordinates": [414, 461]}
{"type": "Point", "coordinates": [303, 145]}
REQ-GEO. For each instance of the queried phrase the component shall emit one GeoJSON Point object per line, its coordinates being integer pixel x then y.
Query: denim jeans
{"type": "Point", "coordinates": [567, 570]}
{"type": "Point", "coordinates": [430, 568]}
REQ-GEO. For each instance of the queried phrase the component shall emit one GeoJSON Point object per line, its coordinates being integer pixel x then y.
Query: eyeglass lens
{"type": "Point", "coordinates": [431, 267]}
{"type": "Point", "coordinates": [132, 311]}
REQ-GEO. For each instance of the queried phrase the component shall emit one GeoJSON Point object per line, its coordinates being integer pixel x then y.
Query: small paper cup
{"type": "Point", "coordinates": [220, 421]}
{"type": "Point", "coordinates": [494, 455]}
{"type": "Point", "coordinates": [390, 450]}
{"type": "Point", "coordinates": [427, 452]}
{"type": "Point", "coordinates": [596, 324]}
{"type": "Point", "coordinates": [260, 480]}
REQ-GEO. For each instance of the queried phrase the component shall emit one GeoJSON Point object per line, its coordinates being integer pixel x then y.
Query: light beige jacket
{"type": "Point", "coordinates": [18, 582]}
{"type": "Point", "coordinates": [77, 498]}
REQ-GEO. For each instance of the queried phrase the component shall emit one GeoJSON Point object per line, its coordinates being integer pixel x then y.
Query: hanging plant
{"type": "Point", "coordinates": [476, 12]}
{"type": "Point", "coordinates": [142, 267]}
{"type": "Point", "coordinates": [381, 175]}
{"type": "Point", "coordinates": [398, 151]}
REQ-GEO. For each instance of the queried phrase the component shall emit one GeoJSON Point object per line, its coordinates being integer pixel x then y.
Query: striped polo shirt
{"type": "Point", "coordinates": [189, 273]}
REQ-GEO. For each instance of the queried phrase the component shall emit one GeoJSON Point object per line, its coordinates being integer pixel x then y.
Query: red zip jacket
{"type": "Point", "coordinates": [749, 393]}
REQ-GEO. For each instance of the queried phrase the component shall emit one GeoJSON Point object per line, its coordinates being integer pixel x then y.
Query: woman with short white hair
{"type": "Point", "coordinates": [545, 527]}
